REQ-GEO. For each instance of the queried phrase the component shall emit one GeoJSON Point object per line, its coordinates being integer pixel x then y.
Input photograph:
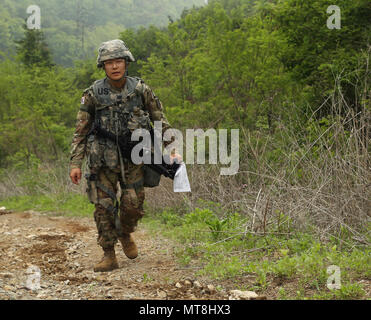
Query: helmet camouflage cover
{"type": "Point", "coordinates": [113, 49]}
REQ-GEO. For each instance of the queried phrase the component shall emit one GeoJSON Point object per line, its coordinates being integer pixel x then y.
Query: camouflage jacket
{"type": "Point", "coordinates": [90, 102]}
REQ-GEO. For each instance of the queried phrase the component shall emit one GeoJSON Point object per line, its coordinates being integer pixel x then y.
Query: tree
{"type": "Point", "coordinates": [315, 54]}
{"type": "Point", "coordinates": [33, 50]}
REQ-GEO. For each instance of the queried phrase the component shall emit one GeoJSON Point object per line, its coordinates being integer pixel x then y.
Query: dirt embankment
{"type": "Point", "coordinates": [52, 257]}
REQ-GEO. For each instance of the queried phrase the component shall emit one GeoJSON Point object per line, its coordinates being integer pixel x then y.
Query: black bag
{"type": "Point", "coordinates": [151, 177]}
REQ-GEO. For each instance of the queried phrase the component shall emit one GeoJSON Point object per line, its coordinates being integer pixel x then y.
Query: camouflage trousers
{"type": "Point", "coordinates": [131, 202]}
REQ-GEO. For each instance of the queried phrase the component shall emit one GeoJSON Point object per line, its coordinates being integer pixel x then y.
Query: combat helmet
{"type": "Point", "coordinates": [113, 49]}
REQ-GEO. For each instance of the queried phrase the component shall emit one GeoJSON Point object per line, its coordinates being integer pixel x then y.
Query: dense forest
{"type": "Point", "coordinates": [297, 90]}
{"type": "Point", "coordinates": [265, 64]}
{"type": "Point", "coordinates": [73, 28]}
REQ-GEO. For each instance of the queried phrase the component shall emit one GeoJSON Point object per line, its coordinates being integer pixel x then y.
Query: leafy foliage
{"type": "Point", "coordinates": [296, 262]}
{"type": "Point", "coordinates": [74, 29]}
{"type": "Point", "coordinates": [258, 69]}
{"type": "Point", "coordinates": [32, 49]}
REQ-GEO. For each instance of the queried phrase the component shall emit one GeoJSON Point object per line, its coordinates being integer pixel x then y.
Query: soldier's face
{"type": "Point", "coordinates": [115, 68]}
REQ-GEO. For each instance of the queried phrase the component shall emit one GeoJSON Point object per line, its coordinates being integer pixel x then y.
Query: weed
{"type": "Point", "coordinates": [285, 267]}
{"type": "Point", "coordinates": [350, 291]}
{"type": "Point", "coordinates": [216, 226]}
{"type": "Point", "coordinates": [282, 294]}
{"type": "Point", "coordinates": [261, 280]}
{"type": "Point", "coordinates": [146, 278]}
{"type": "Point", "coordinates": [170, 218]}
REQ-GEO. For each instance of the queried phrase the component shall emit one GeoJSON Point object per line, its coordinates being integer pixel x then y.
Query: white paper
{"type": "Point", "coordinates": [181, 182]}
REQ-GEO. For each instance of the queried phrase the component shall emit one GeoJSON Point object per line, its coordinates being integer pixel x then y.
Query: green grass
{"type": "Point", "coordinates": [222, 250]}
{"type": "Point", "coordinates": [216, 243]}
{"type": "Point", "coordinates": [69, 204]}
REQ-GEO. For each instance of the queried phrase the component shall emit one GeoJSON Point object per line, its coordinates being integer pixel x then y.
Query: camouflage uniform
{"type": "Point", "coordinates": [142, 108]}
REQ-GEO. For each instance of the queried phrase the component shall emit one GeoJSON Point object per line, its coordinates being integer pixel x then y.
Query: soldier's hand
{"type": "Point", "coordinates": [75, 175]}
{"type": "Point", "coordinates": [176, 156]}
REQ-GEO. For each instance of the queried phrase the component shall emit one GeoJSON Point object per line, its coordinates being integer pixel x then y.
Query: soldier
{"type": "Point", "coordinates": [116, 103]}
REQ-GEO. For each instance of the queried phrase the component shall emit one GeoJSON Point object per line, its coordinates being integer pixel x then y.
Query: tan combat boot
{"type": "Point", "coordinates": [129, 246]}
{"type": "Point", "coordinates": [108, 263]}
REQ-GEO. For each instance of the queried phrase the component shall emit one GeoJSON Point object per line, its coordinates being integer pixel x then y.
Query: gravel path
{"type": "Point", "coordinates": [52, 257]}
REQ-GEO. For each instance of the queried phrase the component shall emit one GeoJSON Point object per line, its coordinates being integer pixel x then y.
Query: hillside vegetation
{"type": "Point", "coordinates": [298, 92]}
{"type": "Point", "coordinates": [74, 28]}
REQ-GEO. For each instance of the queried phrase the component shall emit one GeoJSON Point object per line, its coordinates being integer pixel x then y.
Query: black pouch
{"type": "Point", "coordinates": [151, 177]}
{"type": "Point", "coordinates": [92, 188]}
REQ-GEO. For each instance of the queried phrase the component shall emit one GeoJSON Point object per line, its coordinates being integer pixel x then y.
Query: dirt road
{"type": "Point", "coordinates": [61, 252]}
